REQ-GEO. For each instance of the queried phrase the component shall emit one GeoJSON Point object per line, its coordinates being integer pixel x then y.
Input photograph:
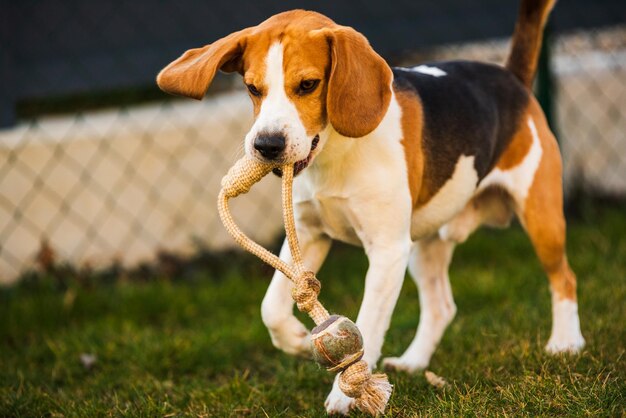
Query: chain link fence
{"type": "Point", "coordinates": [92, 185]}
{"type": "Point", "coordinates": [121, 184]}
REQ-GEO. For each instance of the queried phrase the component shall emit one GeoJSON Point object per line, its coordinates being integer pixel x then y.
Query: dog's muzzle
{"type": "Point", "coordinates": [298, 166]}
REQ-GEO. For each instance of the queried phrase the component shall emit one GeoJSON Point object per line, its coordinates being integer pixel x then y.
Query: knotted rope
{"type": "Point", "coordinates": [336, 341]}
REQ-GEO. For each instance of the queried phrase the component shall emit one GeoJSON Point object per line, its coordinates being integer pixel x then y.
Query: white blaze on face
{"type": "Point", "coordinates": [278, 114]}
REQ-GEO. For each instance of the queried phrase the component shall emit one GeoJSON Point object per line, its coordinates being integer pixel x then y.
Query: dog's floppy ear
{"type": "Point", "coordinates": [192, 73]}
{"type": "Point", "coordinates": [359, 87]}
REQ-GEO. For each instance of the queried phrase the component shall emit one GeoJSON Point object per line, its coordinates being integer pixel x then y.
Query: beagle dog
{"type": "Point", "coordinates": [405, 162]}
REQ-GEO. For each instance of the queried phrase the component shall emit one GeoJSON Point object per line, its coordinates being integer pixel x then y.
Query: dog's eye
{"type": "Point", "coordinates": [253, 90]}
{"type": "Point", "coordinates": [307, 86]}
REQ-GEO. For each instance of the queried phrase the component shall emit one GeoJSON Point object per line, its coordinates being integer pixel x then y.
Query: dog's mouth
{"type": "Point", "coordinates": [298, 166]}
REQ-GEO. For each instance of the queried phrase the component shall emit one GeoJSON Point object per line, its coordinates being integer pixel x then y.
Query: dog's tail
{"type": "Point", "coordinates": [527, 37]}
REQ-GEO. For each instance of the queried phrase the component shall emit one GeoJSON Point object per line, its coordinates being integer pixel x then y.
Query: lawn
{"type": "Point", "coordinates": [195, 345]}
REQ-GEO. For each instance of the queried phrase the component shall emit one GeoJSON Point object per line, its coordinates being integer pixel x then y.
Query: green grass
{"type": "Point", "coordinates": [198, 347]}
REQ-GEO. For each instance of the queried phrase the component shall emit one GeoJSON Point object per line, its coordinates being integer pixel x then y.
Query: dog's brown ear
{"type": "Point", "coordinates": [192, 73]}
{"type": "Point", "coordinates": [359, 88]}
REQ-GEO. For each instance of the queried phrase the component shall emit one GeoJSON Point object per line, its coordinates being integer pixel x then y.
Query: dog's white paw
{"type": "Point", "coordinates": [566, 336]}
{"type": "Point", "coordinates": [565, 344]}
{"type": "Point", "coordinates": [404, 365]}
{"type": "Point", "coordinates": [292, 337]}
{"type": "Point", "coordinates": [337, 402]}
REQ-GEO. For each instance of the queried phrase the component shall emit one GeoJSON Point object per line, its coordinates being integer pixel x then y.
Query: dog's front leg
{"type": "Point", "coordinates": [286, 331]}
{"type": "Point", "coordinates": [382, 287]}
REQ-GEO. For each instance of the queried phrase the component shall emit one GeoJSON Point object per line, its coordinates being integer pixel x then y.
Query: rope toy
{"type": "Point", "coordinates": [336, 342]}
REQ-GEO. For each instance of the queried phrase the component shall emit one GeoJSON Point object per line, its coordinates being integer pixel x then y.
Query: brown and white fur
{"type": "Point", "coordinates": [405, 162]}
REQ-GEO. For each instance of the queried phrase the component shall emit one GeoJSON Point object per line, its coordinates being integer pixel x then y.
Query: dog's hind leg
{"type": "Point", "coordinates": [541, 213]}
{"type": "Point", "coordinates": [428, 265]}
{"type": "Point", "coordinates": [286, 331]}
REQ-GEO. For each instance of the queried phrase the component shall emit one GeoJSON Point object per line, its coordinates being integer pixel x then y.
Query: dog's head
{"type": "Point", "coordinates": [303, 72]}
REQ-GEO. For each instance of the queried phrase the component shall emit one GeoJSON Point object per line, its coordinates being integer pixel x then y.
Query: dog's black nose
{"type": "Point", "coordinates": [270, 145]}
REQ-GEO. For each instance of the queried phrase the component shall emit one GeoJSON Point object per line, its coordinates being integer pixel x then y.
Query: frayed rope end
{"type": "Point", "coordinates": [375, 395]}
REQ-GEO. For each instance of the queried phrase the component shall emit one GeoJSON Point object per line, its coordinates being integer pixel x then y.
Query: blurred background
{"type": "Point", "coordinates": [129, 298]}
{"type": "Point", "coordinates": [101, 170]}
